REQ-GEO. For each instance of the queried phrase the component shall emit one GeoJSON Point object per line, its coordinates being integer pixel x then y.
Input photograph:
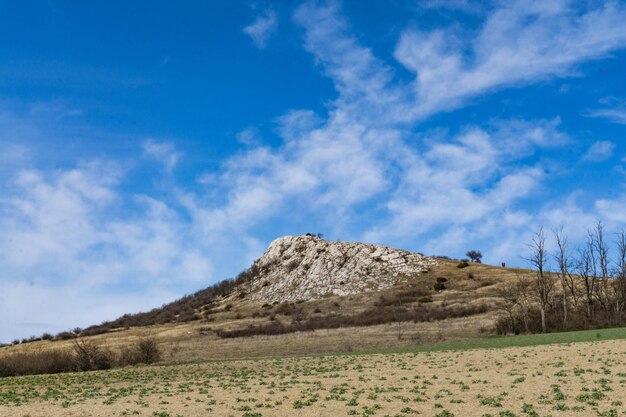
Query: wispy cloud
{"type": "Point", "coordinates": [615, 115]}
{"type": "Point", "coordinates": [163, 152]}
{"type": "Point", "coordinates": [519, 42]}
{"type": "Point", "coordinates": [599, 151]}
{"type": "Point", "coordinates": [460, 5]}
{"type": "Point", "coordinates": [262, 29]}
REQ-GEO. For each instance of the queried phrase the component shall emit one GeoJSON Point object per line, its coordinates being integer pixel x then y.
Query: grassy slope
{"type": "Point", "coordinates": [498, 342]}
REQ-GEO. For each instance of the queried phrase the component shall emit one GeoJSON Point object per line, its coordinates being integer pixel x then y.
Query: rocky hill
{"type": "Point", "coordinates": [362, 295]}
{"type": "Point", "coordinates": [304, 268]}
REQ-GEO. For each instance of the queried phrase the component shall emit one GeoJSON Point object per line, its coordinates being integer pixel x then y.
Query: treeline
{"type": "Point", "coordinates": [83, 356]}
{"type": "Point", "coordinates": [569, 288]}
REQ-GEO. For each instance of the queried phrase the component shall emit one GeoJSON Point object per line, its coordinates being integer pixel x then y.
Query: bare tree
{"type": "Point", "coordinates": [562, 257]}
{"type": "Point", "coordinates": [516, 302]}
{"type": "Point", "coordinates": [620, 275]}
{"type": "Point", "coordinates": [586, 270]}
{"type": "Point", "coordinates": [543, 282]}
{"type": "Point", "coordinates": [602, 258]}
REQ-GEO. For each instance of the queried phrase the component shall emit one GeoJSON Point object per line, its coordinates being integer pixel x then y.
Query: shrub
{"type": "Point", "coordinates": [144, 351]}
{"type": "Point", "coordinates": [462, 264]}
{"type": "Point", "coordinates": [377, 315]}
{"type": "Point", "coordinates": [284, 308]}
{"type": "Point", "coordinates": [65, 336]}
{"type": "Point", "coordinates": [84, 356]}
{"type": "Point", "coordinates": [442, 279]}
{"type": "Point", "coordinates": [48, 362]}
{"type": "Point", "coordinates": [90, 357]}
{"type": "Point", "coordinates": [439, 286]}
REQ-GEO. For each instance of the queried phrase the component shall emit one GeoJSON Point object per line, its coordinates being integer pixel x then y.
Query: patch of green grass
{"type": "Point", "coordinates": [499, 342]}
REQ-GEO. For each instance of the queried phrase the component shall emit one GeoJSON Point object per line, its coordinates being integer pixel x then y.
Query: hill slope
{"type": "Point", "coordinates": [362, 296]}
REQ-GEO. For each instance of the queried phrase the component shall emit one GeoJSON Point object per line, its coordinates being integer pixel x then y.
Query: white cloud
{"type": "Point", "coordinates": [616, 115]}
{"type": "Point", "coordinates": [520, 42]}
{"type": "Point", "coordinates": [599, 151]}
{"type": "Point", "coordinates": [63, 235]}
{"type": "Point", "coordinates": [249, 137]}
{"type": "Point", "coordinates": [363, 81]}
{"type": "Point", "coordinates": [163, 152]}
{"type": "Point", "coordinates": [460, 5]}
{"type": "Point", "coordinates": [263, 27]}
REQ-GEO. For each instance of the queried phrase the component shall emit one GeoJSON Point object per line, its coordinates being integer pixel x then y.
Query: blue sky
{"type": "Point", "coordinates": [149, 149]}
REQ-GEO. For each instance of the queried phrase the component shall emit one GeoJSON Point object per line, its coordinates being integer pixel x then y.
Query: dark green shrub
{"type": "Point", "coordinates": [462, 264]}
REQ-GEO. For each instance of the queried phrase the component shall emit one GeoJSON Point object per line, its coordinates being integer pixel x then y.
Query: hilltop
{"type": "Point", "coordinates": [305, 268]}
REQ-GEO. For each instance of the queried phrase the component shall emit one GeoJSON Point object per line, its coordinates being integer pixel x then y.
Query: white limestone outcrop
{"type": "Point", "coordinates": [307, 267]}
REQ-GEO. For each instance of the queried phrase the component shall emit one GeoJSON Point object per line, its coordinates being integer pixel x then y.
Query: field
{"type": "Point", "coordinates": [585, 378]}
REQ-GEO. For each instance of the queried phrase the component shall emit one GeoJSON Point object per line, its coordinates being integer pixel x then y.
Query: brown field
{"type": "Point", "coordinates": [578, 379]}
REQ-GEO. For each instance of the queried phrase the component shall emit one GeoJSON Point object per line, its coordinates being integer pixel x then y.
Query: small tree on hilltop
{"type": "Point", "coordinates": [474, 255]}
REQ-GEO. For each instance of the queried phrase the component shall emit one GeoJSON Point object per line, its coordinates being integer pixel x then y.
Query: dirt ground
{"type": "Point", "coordinates": [581, 379]}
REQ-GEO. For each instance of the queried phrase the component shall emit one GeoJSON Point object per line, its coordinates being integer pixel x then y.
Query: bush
{"type": "Point", "coordinates": [439, 286]}
{"type": "Point", "coordinates": [144, 351]}
{"type": "Point", "coordinates": [90, 357]}
{"type": "Point", "coordinates": [442, 279]}
{"type": "Point", "coordinates": [65, 336]}
{"type": "Point", "coordinates": [462, 264]}
{"type": "Point", "coordinates": [84, 356]}
{"type": "Point", "coordinates": [373, 316]}
{"type": "Point", "coordinates": [47, 362]}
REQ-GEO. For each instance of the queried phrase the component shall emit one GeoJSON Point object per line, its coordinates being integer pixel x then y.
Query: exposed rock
{"type": "Point", "coordinates": [306, 267]}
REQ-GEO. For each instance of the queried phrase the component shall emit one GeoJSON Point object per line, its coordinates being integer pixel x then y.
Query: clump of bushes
{"type": "Point", "coordinates": [462, 264]}
{"type": "Point", "coordinates": [440, 284]}
{"type": "Point", "coordinates": [373, 316]}
{"type": "Point", "coordinates": [90, 357]}
{"type": "Point", "coordinates": [407, 296]}
{"type": "Point", "coordinates": [144, 351]}
{"type": "Point", "coordinates": [83, 356]}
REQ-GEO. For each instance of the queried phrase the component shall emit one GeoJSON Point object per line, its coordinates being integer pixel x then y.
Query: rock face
{"type": "Point", "coordinates": [306, 267]}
